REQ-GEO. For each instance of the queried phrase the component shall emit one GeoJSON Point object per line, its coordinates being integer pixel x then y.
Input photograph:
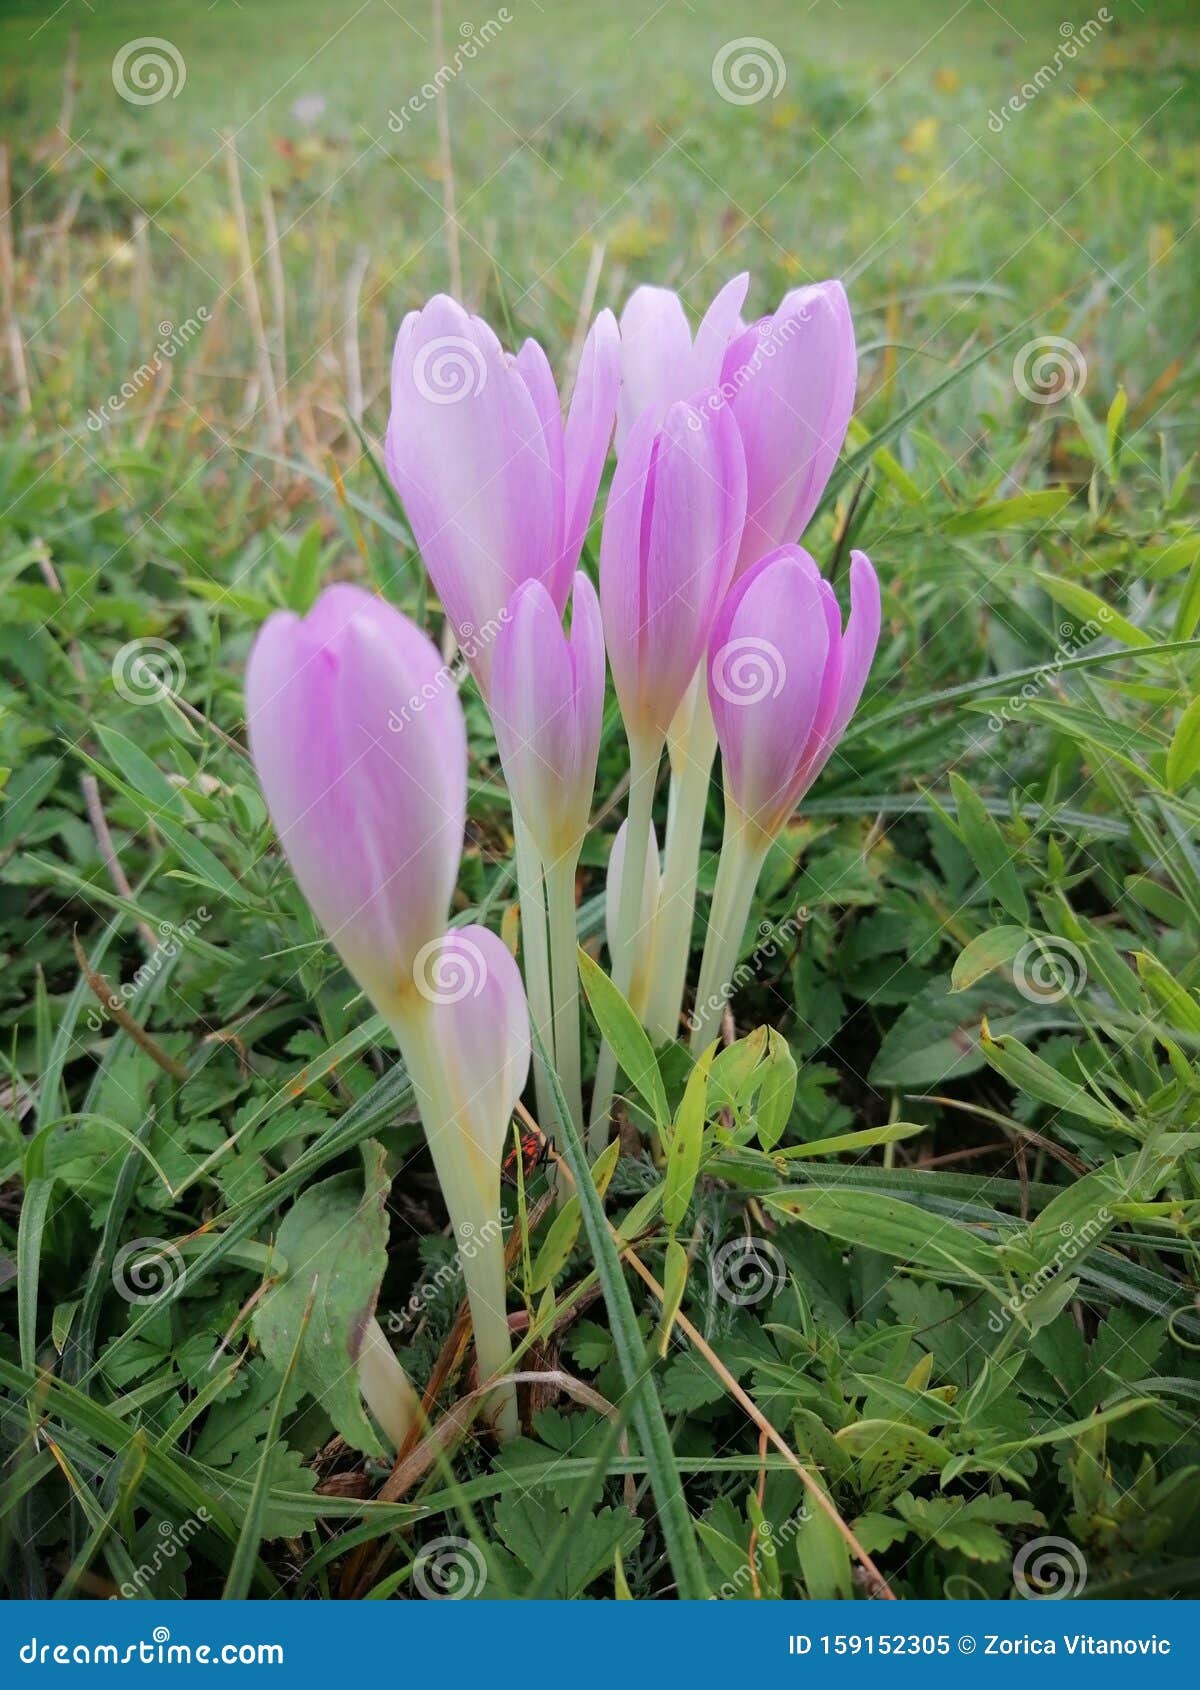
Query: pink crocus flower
{"type": "Point", "coordinates": [360, 746]}
{"type": "Point", "coordinates": [547, 704]}
{"type": "Point", "coordinates": [789, 379]}
{"type": "Point", "coordinates": [672, 529]}
{"type": "Point", "coordinates": [784, 679]}
{"type": "Point", "coordinates": [497, 489]}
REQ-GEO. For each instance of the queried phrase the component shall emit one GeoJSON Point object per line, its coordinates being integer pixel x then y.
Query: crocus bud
{"type": "Point", "coordinates": [357, 735]}
{"type": "Point", "coordinates": [789, 380]}
{"type": "Point", "coordinates": [659, 360]}
{"type": "Point", "coordinates": [496, 489]}
{"type": "Point", "coordinates": [672, 529]}
{"type": "Point", "coordinates": [644, 937]}
{"type": "Point", "coordinates": [481, 1028]}
{"type": "Point", "coordinates": [547, 704]}
{"type": "Point", "coordinates": [469, 1060]}
{"type": "Point", "coordinates": [784, 679]}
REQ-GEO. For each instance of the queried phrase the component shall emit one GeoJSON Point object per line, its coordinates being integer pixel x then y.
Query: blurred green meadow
{"type": "Point", "coordinates": [975, 1322]}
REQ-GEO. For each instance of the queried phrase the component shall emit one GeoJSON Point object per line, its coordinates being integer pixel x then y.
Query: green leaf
{"type": "Point", "coordinates": [991, 950]}
{"type": "Point", "coordinates": [241, 1568]}
{"type": "Point", "coordinates": [1081, 601]}
{"type": "Point", "coordinates": [687, 1137]}
{"type": "Point", "coordinates": [334, 1238]}
{"type": "Point", "coordinates": [1183, 757]}
{"type": "Point", "coordinates": [675, 1276]}
{"type": "Point", "coordinates": [1039, 507]}
{"type": "Point", "coordinates": [777, 1091]}
{"type": "Point", "coordinates": [626, 1037]}
{"type": "Point", "coordinates": [895, 1228]}
{"type": "Point", "coordinates": [674, 1519]}
{"type": "Point", "coordinates": [988, 849]}
{"type": "Point", "coordinates": [557, 1246]}
{"type": "Point", "coordinates": [1008, 1056]}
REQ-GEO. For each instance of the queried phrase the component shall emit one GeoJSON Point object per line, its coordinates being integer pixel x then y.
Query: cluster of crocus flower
{"type": "Point", "coordinates": [718, 629]}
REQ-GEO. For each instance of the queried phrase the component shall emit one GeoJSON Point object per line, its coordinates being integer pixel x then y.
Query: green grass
{"type": "Point", "coordinates": [1022, 774]}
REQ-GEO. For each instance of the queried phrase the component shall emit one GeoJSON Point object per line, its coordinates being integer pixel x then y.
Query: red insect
{"type": "Point", "coordinates": [533, 1152]}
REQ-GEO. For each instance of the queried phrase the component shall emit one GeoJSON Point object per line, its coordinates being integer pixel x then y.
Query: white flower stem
{"type": "Point", "coordinates": [643, 767]}
{"type": "Point", "coordinates": [560, 889]}
{"type": "Point", "coordinates": [743, 852]}
{"type": "Point", "coordinates": [536, 957]}
{"type": "Point", "coordinates": [692, 754]}
{"type": "Point", "coordinates": [385, 1385]}
{"type": "Point", "coordinates": [472, 1194]}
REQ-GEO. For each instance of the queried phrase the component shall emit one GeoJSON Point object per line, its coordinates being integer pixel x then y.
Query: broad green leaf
{"type": "Point", "coordinates": [624, 1033]}
{"type": "Point", "coordinates": [991, 950]}
{"type": "Point", "coordinates": [1008, 1056]}
{"type": "Point", "coordinates": [897, 1229]}
{"type": "Point", "coordinates": [1081, 601]}
{"type": "Point", "coordinates": [988, 849]}
{"type": "Point", "coordinates": [1183, 758]}
{"type": "Point", "coordinates": [559, 1242]}
{"type": "Point", "coordinates": [687, 1137]}
{"type": "Point", "coordinates": [1037, 507]}
{"type": "Point", "coordinates": [334, 1238]}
